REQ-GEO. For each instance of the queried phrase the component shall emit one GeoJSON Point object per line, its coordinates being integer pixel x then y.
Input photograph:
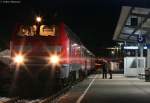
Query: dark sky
{"type": "Point", "coordinates": [94, 21]}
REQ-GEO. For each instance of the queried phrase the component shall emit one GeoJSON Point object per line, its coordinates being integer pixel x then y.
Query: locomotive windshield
{"type": "Point", "coordinates": [44, 30]}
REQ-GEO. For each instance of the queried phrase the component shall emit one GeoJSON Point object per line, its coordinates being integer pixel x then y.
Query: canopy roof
{"type": "Point", "coordinates": [133, 23]}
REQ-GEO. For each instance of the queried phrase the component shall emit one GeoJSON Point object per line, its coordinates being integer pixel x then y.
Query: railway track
{"type": "Point", "coordinates": [50, 99]}
{"type": "Point", "coordinates": [8, 100]}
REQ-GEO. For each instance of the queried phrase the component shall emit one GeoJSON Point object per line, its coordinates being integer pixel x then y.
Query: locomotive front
{"type": "Point", "coordinates": [36, 44]}
{"type": "Point", "coordinates": [36, 55]}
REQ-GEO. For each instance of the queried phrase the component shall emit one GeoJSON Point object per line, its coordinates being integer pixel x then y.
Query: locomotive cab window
{"type": "Point", "coordinates": [26, 30]}
{"type": "Point", "coordinates": [47, 30]}
{"type": "Point", "coordinates": [44, 30]}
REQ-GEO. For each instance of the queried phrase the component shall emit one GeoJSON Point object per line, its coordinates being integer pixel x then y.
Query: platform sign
{"type": "Point", "coordinates": [140, 39]}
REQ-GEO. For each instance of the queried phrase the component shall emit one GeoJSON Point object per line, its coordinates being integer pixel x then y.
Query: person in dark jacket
{"type": "Point", "coordinates": [109, 70]}
{"type": "Point", "coordinates": [104, 70]}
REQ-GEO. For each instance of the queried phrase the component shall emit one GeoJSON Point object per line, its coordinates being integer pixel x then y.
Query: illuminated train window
{"type": "Point", "coordinates": [31, 30]}
{"type": "Point", "coordinates": [47, 30]}
{"type": "Point", "coordinates": [26, 31]}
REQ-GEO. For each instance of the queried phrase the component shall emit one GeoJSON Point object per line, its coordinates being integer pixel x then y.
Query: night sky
{"type": "Point", "coordinates": [93, 21]}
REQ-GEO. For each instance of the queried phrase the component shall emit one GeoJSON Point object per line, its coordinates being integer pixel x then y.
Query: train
{"type": "Point", "coordinates": [46, 58]}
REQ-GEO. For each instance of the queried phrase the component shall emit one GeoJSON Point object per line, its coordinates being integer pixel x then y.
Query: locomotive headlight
{"type": "Point", "coordinates": [19, 59]}
{"type": "Point", "coordinates": [54, 59]}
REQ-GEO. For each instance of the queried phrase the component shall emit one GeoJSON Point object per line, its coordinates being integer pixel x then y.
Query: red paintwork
{"type": "Point", "coordinates": [39, 43]}
{"type": "Point", "coordinates": [62, 40]}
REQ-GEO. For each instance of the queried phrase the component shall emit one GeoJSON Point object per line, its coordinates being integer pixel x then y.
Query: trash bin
{"type": "Point", "coordinates": [147, 75]}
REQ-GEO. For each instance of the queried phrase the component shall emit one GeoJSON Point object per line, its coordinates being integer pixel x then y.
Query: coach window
{"type": "Point", "coordinates": [78, 51]}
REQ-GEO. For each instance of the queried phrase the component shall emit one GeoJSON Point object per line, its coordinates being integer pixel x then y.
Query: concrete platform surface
{"type": "Point", "coordinates": [120, 89]}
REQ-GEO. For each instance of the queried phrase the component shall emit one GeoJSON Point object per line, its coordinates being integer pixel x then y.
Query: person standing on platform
{"type": "Point", "coordinates": [104, 69]}
{"type": "Point", "coordinates": [109, 70]}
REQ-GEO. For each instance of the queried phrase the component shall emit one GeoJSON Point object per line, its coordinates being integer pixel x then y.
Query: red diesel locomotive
{"type": "Point", "coordinates": [50, 56]}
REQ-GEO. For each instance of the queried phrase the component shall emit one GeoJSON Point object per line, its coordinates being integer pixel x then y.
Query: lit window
{"type": "Point", "coordinates": [47, 30]}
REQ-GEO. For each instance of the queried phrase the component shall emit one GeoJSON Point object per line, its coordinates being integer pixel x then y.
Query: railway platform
{"type": "Point", "coordinates": [120, 89]}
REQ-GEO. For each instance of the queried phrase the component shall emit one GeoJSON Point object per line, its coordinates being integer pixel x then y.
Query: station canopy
{"type": "Point", "coordinates": [133, 25]}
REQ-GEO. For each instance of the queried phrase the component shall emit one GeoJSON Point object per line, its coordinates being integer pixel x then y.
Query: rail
{"type": "Point", "coordinates": [8, 100]}
{"type": "Point", "coordinates": [54, 97]}
{"type": "Point", "coordinates": [50, 99]}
